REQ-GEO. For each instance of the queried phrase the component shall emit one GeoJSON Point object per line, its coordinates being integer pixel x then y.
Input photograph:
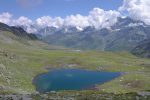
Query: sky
{"type": "Point", "coordinates": [37, 8]}
{"type": "Point", "coordinates": [74, 13]}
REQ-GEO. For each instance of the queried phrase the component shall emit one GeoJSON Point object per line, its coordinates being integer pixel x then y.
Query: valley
{"type": "Point", "coordinates": [23, 61]}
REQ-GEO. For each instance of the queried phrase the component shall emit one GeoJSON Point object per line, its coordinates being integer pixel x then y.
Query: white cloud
{"type": "Point", "coordinates": [25, 22]}
{"type": "Point", "coordinates": [76, 21]}
{"type": "Point", "coordinates": [44, 21]}
{"type": "Point", "coordinates": [97, 18]}
{"type": "Point", "coordinates": [137, 9]}
{"type": "Point", "coordinates": [22, 21]}
{"type": "Point", "coordinates": [5, 18]}
{"type": "Point", "coordinates": [57, 22]}
{"type": "Point", "coordinates": [100, 18]}
{"type": "Point", "coordinates": [48, 21]}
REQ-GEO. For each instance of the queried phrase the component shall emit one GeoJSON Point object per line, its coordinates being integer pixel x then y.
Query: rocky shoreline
{"type": "Point", "coordinates": [77, 96]}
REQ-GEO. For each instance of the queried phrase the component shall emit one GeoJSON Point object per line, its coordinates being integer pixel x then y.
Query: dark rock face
{"type": "Point", "coordinates": [18, 31]}
{"type": "Point", "coordinates": [143, 49]}
{"type": "Point", "coordinates": [123, 36]}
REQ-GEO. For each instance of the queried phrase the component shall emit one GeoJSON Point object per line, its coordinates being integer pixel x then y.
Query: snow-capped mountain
{"type": "Point", "coordinates": [123, 35]}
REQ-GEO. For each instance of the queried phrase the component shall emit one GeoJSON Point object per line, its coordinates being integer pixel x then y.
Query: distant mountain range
{"type": "Point", "coordinates": [126, 34]}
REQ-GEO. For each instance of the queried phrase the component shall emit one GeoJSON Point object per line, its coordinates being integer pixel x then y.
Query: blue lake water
{"type": "Point", "coordinates": [71, 79]}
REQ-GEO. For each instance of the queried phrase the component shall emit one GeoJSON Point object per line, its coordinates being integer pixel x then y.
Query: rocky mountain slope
{"type": "Point", "coordinates": [143, 49]}
{"type": "Point", "coordinates": [18, 31]}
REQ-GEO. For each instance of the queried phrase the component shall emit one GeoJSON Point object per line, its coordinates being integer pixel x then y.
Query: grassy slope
{"type": "Point", "coordinates": [21, 61]}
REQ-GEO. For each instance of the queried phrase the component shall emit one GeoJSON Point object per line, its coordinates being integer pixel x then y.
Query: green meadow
{"type": "Point", "coordinates": [22, 60]}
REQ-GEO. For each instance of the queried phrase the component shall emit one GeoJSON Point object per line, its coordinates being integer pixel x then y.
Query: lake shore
{"type": "Point", "coordinates": [78, 95]}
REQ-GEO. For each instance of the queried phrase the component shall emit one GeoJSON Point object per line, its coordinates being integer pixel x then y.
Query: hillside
{"type": "Point", "coordinates": [18, 60]}
{"type": "Point", "coordinates": [143, 49]}
{"type": "Point", "coordinates": [18, 31]}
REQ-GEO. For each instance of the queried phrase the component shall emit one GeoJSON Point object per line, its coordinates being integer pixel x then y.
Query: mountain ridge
{"type": "Point", "coordinates": [18, 31]}
{"type": "Point", "coordinates": [125, 35]}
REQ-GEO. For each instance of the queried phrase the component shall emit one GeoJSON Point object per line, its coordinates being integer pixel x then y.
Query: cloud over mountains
{"type": "Point", "coordinates": [5, 18]}
{"type": "Point", "coordinates": [98, 18]}
{"type": "Point", "coordinates": [137, 9]}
